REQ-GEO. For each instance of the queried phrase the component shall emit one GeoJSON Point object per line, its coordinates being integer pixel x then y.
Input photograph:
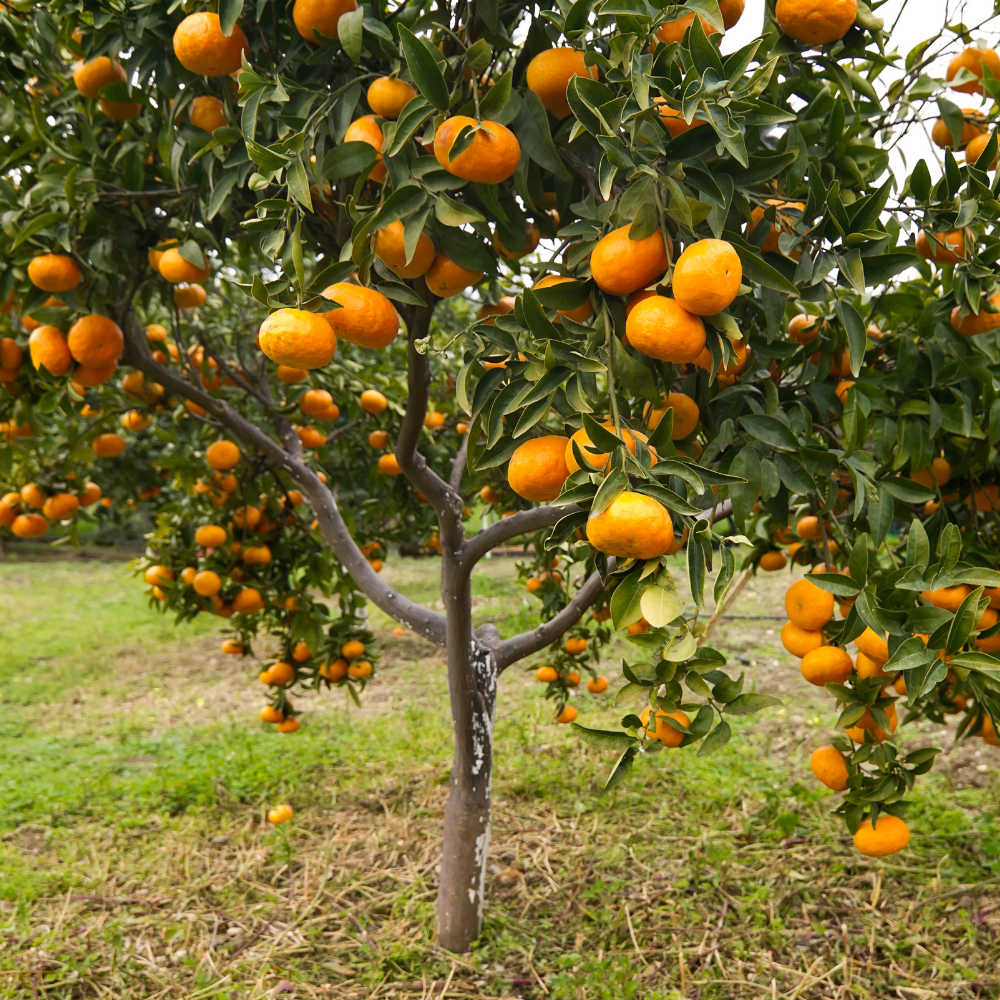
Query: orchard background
{"type": "Point", "coordinates": [303, 292]}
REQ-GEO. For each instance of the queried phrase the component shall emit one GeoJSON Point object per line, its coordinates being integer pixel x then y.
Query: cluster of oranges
{"type": "Point", "coordinates": [187, 278]}
{"type": "Point", "coordinates": [29, 512]}
{"type": "Point", "coordinates": [562, 680]}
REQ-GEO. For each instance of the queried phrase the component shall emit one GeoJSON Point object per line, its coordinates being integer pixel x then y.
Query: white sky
{"type": "Point", "coordinates": [919, 20]}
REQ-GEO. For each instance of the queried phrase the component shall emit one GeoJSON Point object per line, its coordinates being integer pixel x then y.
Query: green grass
{"type": "Point", "coordinates": [135, 778]}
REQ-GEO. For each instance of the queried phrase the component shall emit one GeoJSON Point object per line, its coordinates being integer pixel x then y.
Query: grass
{"type": "Point", "coordinates": [135, 861]}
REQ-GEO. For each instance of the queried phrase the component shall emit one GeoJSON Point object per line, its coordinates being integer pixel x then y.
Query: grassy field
{"type": "Point", "coordinates": [135, 862]}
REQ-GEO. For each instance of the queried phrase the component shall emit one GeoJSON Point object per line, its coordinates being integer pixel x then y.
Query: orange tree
{"type": "Point", "coordinates": [722, 333]}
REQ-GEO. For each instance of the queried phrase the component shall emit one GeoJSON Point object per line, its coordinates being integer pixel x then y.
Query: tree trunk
{"type": "Point", "coordinates": [472, 680]}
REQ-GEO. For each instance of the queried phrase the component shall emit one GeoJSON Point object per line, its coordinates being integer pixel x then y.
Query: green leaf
{"type": "Point", "coordinates": [769, 431]}
{"type": "Point", "coordinates": [964, 621]}
{"type": "Point", "coordinates": [621, 769]}
{"type": "Point", "coordinates": [298, 184]}
{"type": "Point", "coordinates": [625, 601]}
{"type": "Point", "coordinates": [748, 704]}
{"type": "Point", "coordinates": [455, 213]}
{"type": "Point", "coordinates": [716, 739]}
{"type": "Point", "coordinates": [348, 159]}
{"type": "Point", "coordinates": [496, 97]}
{"type": "Point", "coordinates": [834, 583]}
{"type": "Point", "coordinates": [603, 739]}
{"type": "Point", "coordinates": [660, 605]}
{"type": "Point", "coordinates": [413, 115]}
{"type": "Point", "coordinates": [424, 69]}
{"type": "Point", "coordinates": [612, 488]}
{"type": "Point", "coordinates": [37, 224]}
{"type": "Point", "coordinates": [532, 130]}
{"type": "Point", "coordinates": [856, 338]}
{"type": "Point", "coordinates": [400, 292]}
{"type": "Point", "coordinates": [757, 269]}
{"type": "Point", "coordinates": [229, 12]}
{"type": "Point", "coordinates": [632, 373]}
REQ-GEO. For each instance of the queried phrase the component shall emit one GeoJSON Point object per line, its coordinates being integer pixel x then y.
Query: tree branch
{"type": "Point", "coordinates": [510, 527]}
{"type": "Point", "coordinates": [458, 463]}
{"type": "Point", "coordinates": [422, 620]}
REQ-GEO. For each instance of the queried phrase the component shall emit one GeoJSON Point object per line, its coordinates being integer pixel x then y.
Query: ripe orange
{"type": "Point", "coordinates": [366, 317]}
{"type": "Point", "coordinates": [942, 248]}
{"type": "Point", "coordinates": [868, 668]}
{"type": "Point", "coordinates": [90, 76]}
{"type": "Point", "coordinates": [783, 224]}
{"type": "Point", "coordinates": [872, 646]}
{"type": "Point", "coordinates": [568, 714]}
{"type": "Point", "coordinates": [156, 334]}
{"type": "Point", "coordinates": [621, 266]}
{"type": "Point", "coordinates": [90, 495]}
{"type": "Point", "coordinates": [489, 310]}
{"type": "Point", "coordinates": [808, 606]}
{"type": "Point", "coordinates": [366, 129]}
{"type": "Point", "coordinates": [388, 465]}
{"type": "Point", "coordinates": [157, 575]}
{"type": "Point", "coordinates": [707, 277]}
{"type": "Point", "coordinates": [61, 507]}
{"type": "Point", "coordinates": [490, 158]}
{"type": "Point", "coordinates": [189, 296]}
{"type": "Point", "coordinates": [29, 526]}
{"type": "Point", "coordinates": [234, 648]}
{"type": "Point", "coordinates": [634, 526]}
{"type": "Point", "coordinates": [11, 353]}
{"type": "Point", "coordinates": [732, 11]}
{"type": "Point", "coordinates": [888, 836]}
{"type": "Point", "coordinates": [596, 461]}
{"type": "Point", "coordinates": [662, 328]}
{"type": "Point", "coordinates": [352, 649]}
{"type": "Point", "coordinates": [971, 325]}
{"type": "Point", "coordinates": [301, 652]}
{"type": "Point", "coordinates": [816, 22]}
{"type": "Point", "coordinates": [378, 439]}
{"type": "Point", "coordinates": [270, 714]}
{"type": "Point", "coordinates": [210, 535]}
{"type": "Point", "coordinates": [546, 675]}
{"type": "Point", "coordinates": [311, 437]}
{"type": "Point", "coordinates": [47, 347]}
{"type": "Point", "coordinates": [575, 645]}
{"type": "Point", "coordinates": [531, 238]}
{"type": "Point", "coordinates": [941, 134]}
{"type": "Point", "coordinates": [248, 601]}
{"type": "Point", "coordinates": [827, 665]}
{"type": "Point", "coordinates": [322, 15]}
{"type": "Point", "coordinates": [975, 149]}
{"type": "Point", "coordinates": [949, 598]}
{"type": "Point", "coordinates": [537, 470]}
{"type": "Point", "coordinates": [95, 341]}
{"type": "Point", "coordinates": [135, 420]}
{"type": "Point", "coordinates": [549, 74]}
{"type": "Point", "coordinates": [388, 95]}
{"type": "Point", "coordinates": [222, 454]}
{"type": "Point", "coordinates": [372, 401]}
{"type": "Point", "coordinates": [119, 111]}
{"type": "Point", "coordinates": [208, 113]}
{"type": "Point", "coordinates": [830, 767]}
{"type": "Point", "coordinates": [297, 338]}
{"type": "Point", "coordinates": [315, 401]}
{"type": "Point", "coordinates": [390, 250]}
{"type": "Point", "coordinates": [434, 420]}
{"type": "Point", "coordinates": [289, 726]}
{"type": "Point", "coordinates": [987, 732]}
{"type": "Point", "coordinates": [54, 272]}
{"type": "Point", "coordinates": [206, 583]}
{"type": "Point", "coordinates": [176, 269]}
{"type": "Point", "coordinates": [673, 31]}
{"type": "Point", "coordinates": [202, 48]}
{"type": "Point", "coordinates": [256, 555]}
{"type": "Point", "coordinates": [154, 255]}
{"type": "Point", "coordinates": [335, 671]}
{"type": "Point", "coordinates": [108, 445]}
{"type": "Point", "coordinates": [32, 495]}
{"type": "Point", "coordinates": [771, 562]}
{"type": "Point", "coordinates": [580, 313]}
{"type": "Point", "coordinates": [597, 684]}
{"type": "Point", "coordinates": [661, 730]}
{"type": "Point", "coordinates": [973, 59]}
{"type": "Point", "coordinates": [866, 724]}
{"type": "Point", "coordinates": [445, 278]}
{"type": "Point", "coordinates": [809, 527]}
{"type": "Point", "coordinates": [360, 669]}
{"type": "Point", "coordinates": [803, 328]}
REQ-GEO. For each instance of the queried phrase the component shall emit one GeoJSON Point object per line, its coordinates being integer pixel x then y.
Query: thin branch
{"type": "Point", "coordinates": [458, 463]}
{"type": "Point", "coordinates": [422, 620]}
{"type": "Point", "coordinates": [510, 527]}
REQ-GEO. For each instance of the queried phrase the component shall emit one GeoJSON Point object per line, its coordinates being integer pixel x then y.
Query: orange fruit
{"type": "Point", "coordinates": [942, 248]}
{"type": "Point", "coordinates": [360, 669]}
{"type": "Point", "coordinates": [662, 328]}
{"type": "Point", "coordinates": [489, 310]}
{"type": "Point", "coordinates": [948, 598]}
{"type": "Point", "coordinates": [61, 507]}
{"type": "Point", "coordinates": [206, 583]}
{"type": "Point", "coordinates": [291, 375]}
{"type": "Point", "coordinates": [248, 601]}
{"type": "Point", "coordinates": [315, 401]}
{"type": "Point", "coordinates": [490, 158]}
{"type": "Point", "coordinates": [546, 675]}
{"type": "Point", "coordinates": [549, 74]}
{"type": "Point", "coordinates": [269, 714]}
{"type": "Point", "coordinates": [156, 334]}
{"type": "Point", "coordinates": [366, 129]}
{"type": "Point", "coordinates": [90, 495]}
{"type": "Point", "coordinates": [29, 526]}
{"type": "Point", "coordinates": [154, 255]}
{"type": "Point", "coordinates": [975, 149]}
{"type": "Point", "coordinates": [297, 338]}
{"type": "Point", "coordinates": [54, 272]}
{"type": "Point", "coordinates": [189, 296]}
{"type": "Point", "coordinates": [310, 437]}
{"type": "Point", "coordinates": [987, 733]}
{"type": "Point", "coordinates": [826, 665]}
{"type": "Point", "coordinates": [157, 575]}
{"type": "Point", "coordinates": [445, 278]}
{"type": "Point", "coordinates": [941, 134]}
{"type": "Point", "coordinates": [575, 645]}
{"type": "Point", "coordinates": [937, 473]}
{"type": "Point", "coordinates": [568, 714]}
{"type": "Point", "coordinates": [91, 76]}
{"type": "Point", "coordinates": [119, 111]}
{"type": "Point", "coordinates": [335, 671]}
{"type": "Point", "coordinates": [434, 420]}
{"type": "Point", "coordinates": [32, 495]}
{"type": "Point", "coordinates": [531, 238]}
{"type": "Point", "coordinates": [210, 535]}
{"type": "Point", "coordinates": [784, 224]}
{"type": "Point", "coordinates": [621, 266]}
{"type": "Point", "coordinates": [47, 347]}
{"type": "Point", "coordinates": [808, 606]}
{"type": "Point", "coordinates": [674, 119]}
{"type": "Point", "coordinates": [888, 836]}
{"type": "Point", "coordinates": [662, 731]}
{"type": "Point", "coordinates": [596, 461]}
{"type": "Point", "coordinates": [537, 470]}
{"type": "Point", "coordinates": [289, 726]}
{"type": "Point", "coordinates": [378, 439]}
{"type": "Point", "coordinates": [597, 684]}
{"type": "Point", "coordinates": [866, 724]}
{"type": "Point", "coordinates": [278, 674]}
{"type": "Point", "coordinates": [372, 401]}
{"type": "Point", "coordinates": [803, 328]}
{"type": "Point", "coordinates": [809, 527]}
{"type": "Point", "coordinates": [973, 59]}
{"type": "Point", "coordinates": [388, 465]}
{"type": "Point", "coordinates": [301, 652]}
{"type": "Point", "coordinates": [816, 22]}
{"type": "Point", "coordinates": [134, 420]}
{"type": "Point", "coordinates": [366, 317]}
{"type": "Point", "coordinates": [202, 48]}
{"type": "Point", "coordinates": [95, 341]}
{"type": "Point", "coordinates": [222, 454]}
{"type": "Point", "coordinates": [176, 269]}
{"type": "Point", "coordinates": [208, 113]}
{"type": "Point", "coordinates": [322, 15]}
{"type": "Point", "coordinates": [108, 445]}
{"type": "Point", "coordinates": [388, 95]}
{"type": "Point", "coordinates": [579, 314]}
{"type": "Point", "coordinates": [673, 31]}
{"type": "Point", "coordinates": [11, 353]}
{"type": "Point", "coordinates": [872, 646]}
{"type": "Point", "coordinates": [390, 250]}
{"type": "Point", "coordinates": [732, 11]}
{"type": "Point", "coordinates": [634, 526]}
{"type": "Point", "coordinates": [830, 767]}
{"type": "Point", "coordinates": [707, 277]}
{"type": "Point", "coordinates": [256, 555]}
{"type": "Point", "coordinates": [771, 562]}
{"type": "Point", "coordinates": [352, 649]}
{"type": "Point", "coordinates": [686, 414]}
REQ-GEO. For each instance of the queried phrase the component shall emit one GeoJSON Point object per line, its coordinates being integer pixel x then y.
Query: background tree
{"type": "Point", "coordinates": [224, 201]}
